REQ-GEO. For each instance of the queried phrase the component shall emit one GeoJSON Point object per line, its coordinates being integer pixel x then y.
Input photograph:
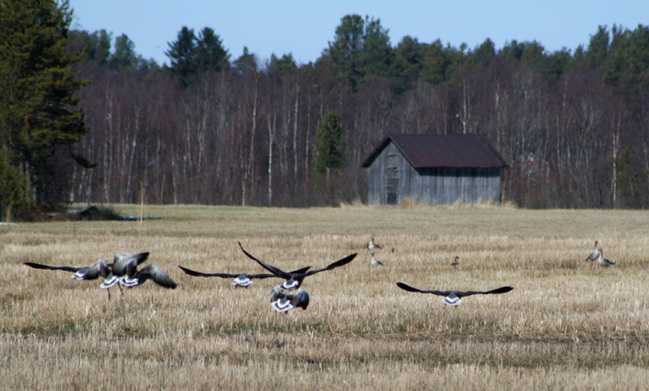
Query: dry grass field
{"type": "Point", "coordinates": [567, 325]}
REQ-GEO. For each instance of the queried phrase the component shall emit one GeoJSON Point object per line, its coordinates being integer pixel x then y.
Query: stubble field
{"type": "Point", "coordinates": [567, 324]}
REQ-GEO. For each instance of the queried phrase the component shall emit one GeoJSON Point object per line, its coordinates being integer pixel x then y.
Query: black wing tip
{"type": "Point", "coordinates": [406, 287]}
{"type": "Point", "coordinates": [504, 289]}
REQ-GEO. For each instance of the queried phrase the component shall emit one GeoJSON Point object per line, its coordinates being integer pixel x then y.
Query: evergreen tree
{"type": "Point", "coordinates": [330, 143]}
{"type": "Point", "coordinates": [210, 54]}
{"type": "Point", "coordinates": [38, 119]}
{"type": "Point", "coordinates": [181, 54]}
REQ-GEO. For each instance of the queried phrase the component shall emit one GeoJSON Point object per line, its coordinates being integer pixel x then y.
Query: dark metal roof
{"type": "Point", "coordinates": [441, 151]}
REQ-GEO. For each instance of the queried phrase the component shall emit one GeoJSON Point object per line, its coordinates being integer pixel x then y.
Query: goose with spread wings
{"type": "Point", "coordinates": [124, 272]}
{"type": "Point", "coordinates": [294, 279]}
{"type": "Point", "coordinates": [242, 280]}
{"type": "Point", "coordinates": [101, 268]}
{"type": "Point", "coordinates": [454, 298]}
{"type": "Point", "coordinates": [290, 294]}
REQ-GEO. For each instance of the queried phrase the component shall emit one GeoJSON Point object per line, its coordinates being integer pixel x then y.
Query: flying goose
{"type": "Point", "coordinates": [374, 261]}
{"type": "Point", "coordinates": [371, 245]}
{"type": "Point", "coordinates": [243, 280]}
{"type": "Point", "coordinates": [283, 301]}
{"type": "Point", "coordinates": [603, 261]}
{"type": "Point", "coordinates": [151, 271]}
{"type": "Point", "coordinates": [294, 279]}
{"type": "Point", "coordinates": [124, 267]}
{"type": "Point", "coordinates": [594, 255]}
{"type": "Point", "coordinates": [98, 269]}
{"type": "Point", "coordinates": [454, 298]}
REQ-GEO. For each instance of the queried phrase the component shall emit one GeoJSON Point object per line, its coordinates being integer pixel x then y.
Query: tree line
{"type": "Point", "coordinates": [214, 129]}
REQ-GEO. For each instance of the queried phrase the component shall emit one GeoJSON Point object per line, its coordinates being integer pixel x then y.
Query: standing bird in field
{"type": "Point", "coordinates": [454, 298]}
{"type": "Point", "coordinates": [372, 246]}
{"type": "Point", "coordinates": [98, 269]}
{"type": "Point", "coordinates": [374, 261]}
{"type": "Point", "coordinates": [603, 261]}
{"type": "Point", "coordinates": [456, 261]}
{"type": "Point", "coordinates": [242, 280]}
{"type": "Point", "coordinates": [594, 255]}
{"type": "Point", "coordinates": [290, 291]}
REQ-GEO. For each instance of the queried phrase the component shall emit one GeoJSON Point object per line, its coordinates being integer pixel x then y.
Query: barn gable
{"type": "Point", "coordinates": [433, 169]}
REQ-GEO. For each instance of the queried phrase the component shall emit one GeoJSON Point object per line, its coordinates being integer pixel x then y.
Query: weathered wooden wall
{"type": "Point", "coordinates": [393, 180]}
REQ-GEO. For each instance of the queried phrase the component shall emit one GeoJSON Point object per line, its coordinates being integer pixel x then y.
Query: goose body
{"type": "Point", "coordinates": [283, 301]}
{"type": "Point", "coordinates": [454, 298]}
{"type": "Point", "coordinates": [456, 261]}
{"type": "Point", "coordinates": [372, 245]}
{"type": "Point", "coordinates": [124, 266]}
{"type": "Point", "coordinates": [375, 262]}
{"type": "Point", "coordinates": [151, 272]}
{"type": "Point", "coordinates": [604, 261]}
{"type": "Point", "coordinates": [594, 256]}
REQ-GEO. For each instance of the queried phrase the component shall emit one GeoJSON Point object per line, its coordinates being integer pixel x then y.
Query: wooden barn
{"type": "Point", "coordinates": [433, 169]}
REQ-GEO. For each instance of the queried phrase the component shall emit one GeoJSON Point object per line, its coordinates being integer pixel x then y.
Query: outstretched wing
{"type": "Point", "coordinates": [334, 265]}
{"type": "Point", "coordinates": [48, 267]}
{"type": "Point", "coordinates": [154, 272]}
{"type": "Point", "coordinates": [408, 288]}
{"type": "Point", "coordinates": [224, 275]}
{"type": "Point", "coordinates": [276, 271]}
{"type": "Point", "coordinates": [503, 289]}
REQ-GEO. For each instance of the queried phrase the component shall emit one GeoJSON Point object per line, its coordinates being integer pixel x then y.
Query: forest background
{"type": "Point", "coordinates": [212, 129]}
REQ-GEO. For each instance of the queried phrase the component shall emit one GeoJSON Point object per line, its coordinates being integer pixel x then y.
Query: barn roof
{"type": "Point", "coordinates": [441, 151]}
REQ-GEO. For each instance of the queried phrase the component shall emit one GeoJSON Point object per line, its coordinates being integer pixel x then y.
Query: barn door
{"type": "Point", "coordinates": [391, 182]}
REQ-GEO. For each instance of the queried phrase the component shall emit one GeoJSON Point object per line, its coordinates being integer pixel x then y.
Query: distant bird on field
{"type": "Point", "coordinates": [98, 269]}
{"type": "Point", "coordinates": [289, 294]}
{"type": "Point", "coordinates": [454, 298]}
{"type": "Point", "coordinates": [374, 261]}
{"type": "Point", "coordinates": [456, 261]}
{"type": "Point", "coordinates": [594, 255]}
{"type": "Point", "coordinates": [603, 261]}
{"type": "Point", "coordinates": [372, 246]}
{"type": "Point", "coordinates": [242, 280]}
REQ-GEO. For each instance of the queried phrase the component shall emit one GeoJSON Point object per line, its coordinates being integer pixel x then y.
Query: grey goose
{"type": "Point", "coordinates": [242, 280]}
{"type": "Point", "coordinates": [594, 255]}
{"type": "Point", "coordinates": [101, 268]}
{"type": "Point", "coordinates": [454, 298]}
{"type": "Point", "coordinates": [294, 279]}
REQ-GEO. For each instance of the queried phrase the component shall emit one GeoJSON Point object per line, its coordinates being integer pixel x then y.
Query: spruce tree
{"type": "Point", "coordinates": [39, 124]}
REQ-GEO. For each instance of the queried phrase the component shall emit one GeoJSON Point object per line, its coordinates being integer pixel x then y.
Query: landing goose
{"type": "Point", "coordinates": [151, 271]}
{"type": "Point", "coordinates": [294, 279]}
{"type": "Point", "coordinates": [98, 269]}
{"type": "Point", "coordinates": [124, 266]}
{"type": "Point", "coordinates": [454, 298]}
{"type": "Point", "coordinates": [283, 301]}
{"type": "Point", "coordinates": [594, 255]}
{"type": "Point", "coordinates": [243, 280]}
